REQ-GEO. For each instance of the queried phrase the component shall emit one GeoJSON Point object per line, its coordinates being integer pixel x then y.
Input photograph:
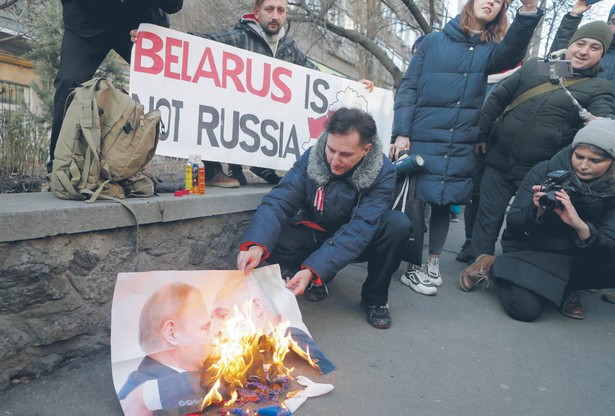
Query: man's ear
{"type": "Point", "coordinates": [257, 308]}
{"type": "Point", "coordinates": [368, 148]}
{"type": "Point", "coordinates": [168, 332]}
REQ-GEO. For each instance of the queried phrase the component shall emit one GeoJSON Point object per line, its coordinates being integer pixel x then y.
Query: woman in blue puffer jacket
{"type": "Point", "coordinates": [437, 110]}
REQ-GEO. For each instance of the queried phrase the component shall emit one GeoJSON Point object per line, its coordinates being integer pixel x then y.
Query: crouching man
{"type": "Point", "coordinates": [331, 209]}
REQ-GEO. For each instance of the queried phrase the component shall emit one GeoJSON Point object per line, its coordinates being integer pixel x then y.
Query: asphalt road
{"type": "Point", "coordinates": [454, 353]}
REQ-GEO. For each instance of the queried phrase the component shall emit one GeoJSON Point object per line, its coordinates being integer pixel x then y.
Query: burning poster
{"type": "Point", "coordinates": [212, 342]}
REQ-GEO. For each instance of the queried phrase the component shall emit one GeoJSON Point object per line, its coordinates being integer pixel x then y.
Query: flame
{"type": "Point", "coordinates": [245, 353]}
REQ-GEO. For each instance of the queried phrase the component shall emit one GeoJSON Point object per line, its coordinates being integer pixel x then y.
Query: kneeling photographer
{"type": "Point", "coordinates": [560, 230]}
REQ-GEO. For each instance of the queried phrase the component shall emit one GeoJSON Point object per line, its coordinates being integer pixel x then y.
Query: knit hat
{"type": "Point", "coordinates": [611, 13]}
{"type": "Point", "coordinates": [594, 30]}
{"type": "Point", "coordinates": [599, 133]}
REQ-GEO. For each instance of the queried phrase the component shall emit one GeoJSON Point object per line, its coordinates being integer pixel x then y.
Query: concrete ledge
{"type": "Point", "coordinates": [59, 261]}
{"type": "Point", "coordinates": [37, 215]}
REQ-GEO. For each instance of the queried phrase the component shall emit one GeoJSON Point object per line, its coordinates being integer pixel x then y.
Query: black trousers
{"type": "Point", "coordinates": [519, 303]}
{"type": "Point", "coordinates": [471, 208]}
{"type": "Point", "coordinates": [588, 272]}
{"type": "Point", "coordinates": [383, 255]}
{"type": "Point", "coordinates": [80, 57]}
{"type": "Point", "coordinates": [496, 189]}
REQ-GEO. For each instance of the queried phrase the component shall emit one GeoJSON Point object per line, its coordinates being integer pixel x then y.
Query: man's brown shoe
{"type": "Point", "coordinates": [221, 180]}
{"type": "Point", "coordinates": [573, 307]}
{"type": "Point", "coordinates": [476, 272]}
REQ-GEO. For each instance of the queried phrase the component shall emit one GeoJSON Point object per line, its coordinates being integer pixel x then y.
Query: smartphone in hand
{"type": "Point", "coordinates": [590, 2]}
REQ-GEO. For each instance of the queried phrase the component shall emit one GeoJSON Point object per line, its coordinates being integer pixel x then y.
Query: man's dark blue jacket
{"type": "Point", "coordinates": [353, 205]}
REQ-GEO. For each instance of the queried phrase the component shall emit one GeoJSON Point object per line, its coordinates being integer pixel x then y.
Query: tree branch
{"type": "Point", "coordinates": [356, 37]}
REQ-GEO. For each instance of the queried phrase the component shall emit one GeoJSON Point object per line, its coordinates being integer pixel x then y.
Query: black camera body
{"type": "Point", "coordinates": [555, 181]}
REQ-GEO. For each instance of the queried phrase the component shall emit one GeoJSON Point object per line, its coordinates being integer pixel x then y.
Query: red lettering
{"type": "Point", "coordinates": [207, 61]}
{"type": "Point", "coordinates": [157, 64]}
{"type": "Point", "coordinates": [233, 72]}
{"type": "Point", "coordinates": [278, 73]}
{"type": "Point", "coordinates": [186, 51]}
{"type": "Point", "coordinates": [266, 80]}
{"type": "Point", "coordinates": [171, 59]}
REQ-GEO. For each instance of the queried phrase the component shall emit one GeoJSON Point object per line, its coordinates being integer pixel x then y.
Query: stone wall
{"type": "Point", "coordinates": [56, 290]}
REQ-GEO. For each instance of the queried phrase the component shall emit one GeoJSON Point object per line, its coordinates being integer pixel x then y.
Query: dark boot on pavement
{"type": "Point", "coordinates": [316, 291]}
{"type": "Point", "coordinates": [378, 316]}
{"type": "Point", "coordinates": [573, 306]}
{"type": "Point", "coordinates": [465, 254]}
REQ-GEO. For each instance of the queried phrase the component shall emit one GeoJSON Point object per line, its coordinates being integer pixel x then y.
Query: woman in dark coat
{"type": "Point", "coordinates": [556, 246]}
{"type": "Point", "coordinates": [437, 109]}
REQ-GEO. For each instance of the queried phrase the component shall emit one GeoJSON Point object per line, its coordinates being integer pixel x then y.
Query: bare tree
{"type": "Point", "coordinates": [371, 37]}
{"type": "Point", "coordinates": [15, 18]}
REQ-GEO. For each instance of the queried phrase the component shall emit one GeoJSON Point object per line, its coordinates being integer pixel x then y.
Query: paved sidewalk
{"type": "Point", "coordinates": [452, 354]}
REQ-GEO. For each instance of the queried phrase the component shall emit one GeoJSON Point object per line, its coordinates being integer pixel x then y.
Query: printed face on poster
{"type": "Point", "coordinates": [236, 106]}
{"type": "Point", "coordinates": [164, 326]}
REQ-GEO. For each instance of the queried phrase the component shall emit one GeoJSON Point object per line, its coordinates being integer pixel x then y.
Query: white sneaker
{"type": "Point", "coordinates": [433, 271]}
{"type": "Point", "coordinates": [416, 278]}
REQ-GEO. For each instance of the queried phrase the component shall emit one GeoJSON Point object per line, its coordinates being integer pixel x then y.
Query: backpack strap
{"type": "Point", "coordinates": [89, 119]}
{"type": "Point", "coordinates": [537, 90]}
{"type": "Point", "coordinates": [94, 195]}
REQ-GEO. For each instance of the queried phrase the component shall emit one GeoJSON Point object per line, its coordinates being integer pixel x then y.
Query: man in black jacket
{"type": "Point", "coordinates": [262, 31]}
{"type": "Point", "coordinates": [92, 28]}
{"type": "Point", "coordinates": [531, 129]}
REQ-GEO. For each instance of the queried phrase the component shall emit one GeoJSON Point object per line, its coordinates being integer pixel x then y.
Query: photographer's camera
{"type": "Point", "coordinates": [554, 182]}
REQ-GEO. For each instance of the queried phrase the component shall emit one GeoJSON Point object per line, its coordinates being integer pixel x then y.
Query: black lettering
{"type": "Point", "coordinates": [164, 103]}
{"type": "Point", "coordinates": [208, 126]}
{"type": "Point", "coordinates": [177, 106]}
{"type": "Point", "coordinates": [230, 144]}
{"type": "Point", "coordinates": [136, 98]}
{"type": "Point", "coordinates": [243, 124]}
{"type": "Point", "coordinates": [294, 141]}
{"type": "Point", "coordinates": [270, 138]}
{"type": "Point", "coordinates": [306, 102]}
{"type": "Point", "coordinates": [324, 104]}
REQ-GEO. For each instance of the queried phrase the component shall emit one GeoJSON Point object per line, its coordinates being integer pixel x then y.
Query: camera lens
{"type": "Point", "coordinates": [548, 201]}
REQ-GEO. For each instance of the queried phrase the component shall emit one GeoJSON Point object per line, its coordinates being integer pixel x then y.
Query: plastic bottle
{"type": "Point", "coordinates": [195, 174]}
{"type": "Point", "coordinates": [189, 173]}
{"type": "Point", "coordinates": [201, 180]}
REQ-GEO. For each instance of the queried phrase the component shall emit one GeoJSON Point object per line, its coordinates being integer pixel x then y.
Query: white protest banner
{"type": "Point", "coordinates": [236, 106]}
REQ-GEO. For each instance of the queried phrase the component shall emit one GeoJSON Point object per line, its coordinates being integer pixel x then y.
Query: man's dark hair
{"type": "Point", "coordinates": [345, 120]}
{"type": "Point", "coordinates": [258, 4]}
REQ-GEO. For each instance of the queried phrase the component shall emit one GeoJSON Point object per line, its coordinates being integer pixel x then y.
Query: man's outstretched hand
{"type": "Point", "coordinates": [299, 281]}
{"type": "Point", "coordinates": [248, 260]}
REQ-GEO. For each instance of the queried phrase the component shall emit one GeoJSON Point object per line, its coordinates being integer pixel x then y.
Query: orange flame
{"type": "Point", "coordinates": [243, 352]}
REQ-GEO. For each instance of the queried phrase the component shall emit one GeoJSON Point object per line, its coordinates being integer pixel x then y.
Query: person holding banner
{"type": "Point", "coordinates": [262, 31]}
{"type": "Point", "coordinates": [437, 107]}
{"type": "Point", "coordinates": [333, 207]}
{"type": "Point", "coordinates": [92, 28]}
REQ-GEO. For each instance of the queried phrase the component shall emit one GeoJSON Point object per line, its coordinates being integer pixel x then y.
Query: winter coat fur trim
{"type": "Point", "coordinates": [362, 178]}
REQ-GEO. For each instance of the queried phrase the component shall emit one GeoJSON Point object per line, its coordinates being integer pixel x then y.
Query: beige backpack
{"type": "Point", "coordinates": [105, 142]}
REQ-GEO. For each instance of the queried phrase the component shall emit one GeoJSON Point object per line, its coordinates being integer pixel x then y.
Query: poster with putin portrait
{"type": "Point", "coordinates": [184, 340]}
{"type": "Point", "coordinates": [236, 106]}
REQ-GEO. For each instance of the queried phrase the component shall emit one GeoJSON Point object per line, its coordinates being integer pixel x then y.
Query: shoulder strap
{"type": "Point", "coordinates": [537, 90]}
{"type": "Point", "coordinates": [89, 119]}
